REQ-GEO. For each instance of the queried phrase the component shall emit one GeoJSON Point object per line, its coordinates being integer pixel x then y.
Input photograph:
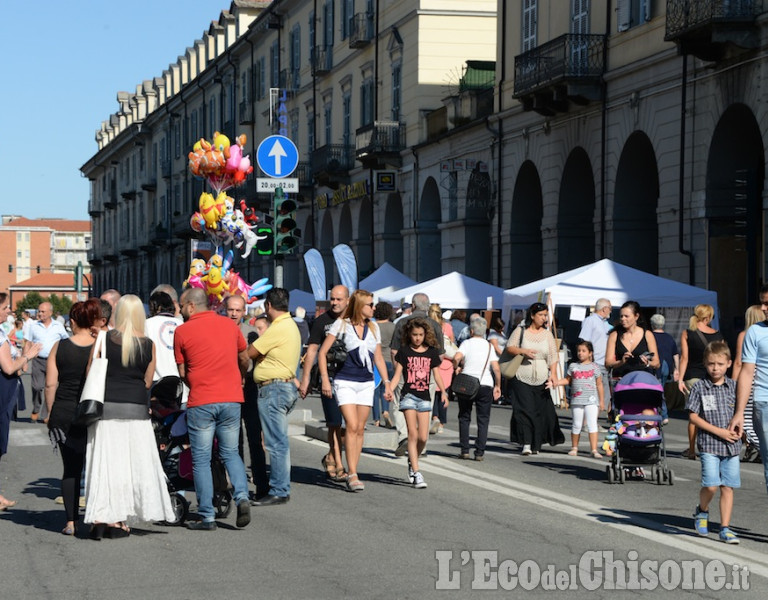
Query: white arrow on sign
{"type": "Point", "coordinates": [278, 153]}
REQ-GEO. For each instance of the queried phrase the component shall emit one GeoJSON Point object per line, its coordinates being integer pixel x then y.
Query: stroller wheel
{"type": "Point", "coordinates": [609, 472]}
{"type": "Point", "coordinates": [671, 477]}
{"type": "Point", "coordinates": [659, 476]}
{"type": "Point", "coordinates": [222, 503]}
{"type": "Point", "coordinates": [622, 476]}
{"type": "Point", "coordinates": [180, 509]}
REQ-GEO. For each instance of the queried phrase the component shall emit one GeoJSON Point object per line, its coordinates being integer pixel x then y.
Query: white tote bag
{"type": "Point", "coordinates": [91, 406]}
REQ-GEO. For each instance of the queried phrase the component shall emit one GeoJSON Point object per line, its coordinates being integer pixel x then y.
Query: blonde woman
{"type": "Point", "coordinates": [693, 342]}
{"type": "Point", "coordinates": [124, 479]}
{"type": "Point", "coordinates": [353, 383]}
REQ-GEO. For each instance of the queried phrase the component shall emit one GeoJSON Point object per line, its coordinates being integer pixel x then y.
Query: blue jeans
{"type": "Point", "coordinates": [760, 423]}
{"type": "Point", "coordinates": [276, 401]}
{"type": "Point", "coordinates": [221, 420]}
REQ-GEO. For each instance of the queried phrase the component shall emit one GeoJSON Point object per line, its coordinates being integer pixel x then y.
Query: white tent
{"type": "Point", "coordinates": [453, 290]}
{"type": "Point", "coordinates": [385, 279]}
{"type": "Point", "coordinates": [607, 279]}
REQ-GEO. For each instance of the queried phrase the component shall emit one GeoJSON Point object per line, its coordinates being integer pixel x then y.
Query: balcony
{"type": "Point", "coordinates": [709, 28]}
{"type": "Point", "coordinates": [94, 208]}
{"type": "Point", "coordinates": [246, 112]}
{"type": "Point", "coordinates": [93, 257]}
{"type": "Point", "coordinates": [565, 70]}
{"type": "Point", "coordinates": [149, 181]}
{"type": "Point", "coordinates": [130, 252]}
{"type": "Point", "coordinates": [128, 194]}
{"type": "Point", "coordinates": [304, 173]}
{"type": "Point", "coordinates": [160, 235]}
{"type": "Point", "coordinates": [182, 229]}
{"type": "Point", "coordinates": [109, 253]}
{"type": "Point", "coordinates": [380, 143]}
{"type": "Point", "coordinates": [322, 60]}
{"type": "Point", "coordinates": [290, 80]}
{"type": "Point", "coordinates": [165, 168]}
{"type": "Point", "coordinates": [331, 164]}
{"type": "Point", "coordinates": [361, 30]}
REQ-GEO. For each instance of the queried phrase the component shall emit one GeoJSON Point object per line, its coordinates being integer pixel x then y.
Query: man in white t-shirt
{"type": "Point", "coordinates": [160, 328]}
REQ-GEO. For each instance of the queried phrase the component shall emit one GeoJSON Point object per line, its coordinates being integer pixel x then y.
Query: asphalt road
{"type": "Point", "coordinates": [510, 526]}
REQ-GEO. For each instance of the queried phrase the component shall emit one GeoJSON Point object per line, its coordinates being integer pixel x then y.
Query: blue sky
{"type": "Point", "coordinates": [66, 62]}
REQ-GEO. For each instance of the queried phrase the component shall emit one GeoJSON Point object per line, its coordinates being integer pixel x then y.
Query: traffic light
{"type": "Point", "coordinates": [266, 246]}
{"type": "Point", "coordinates": [286, 232]}
{"type": "Point", "coordinates": [10, 268]}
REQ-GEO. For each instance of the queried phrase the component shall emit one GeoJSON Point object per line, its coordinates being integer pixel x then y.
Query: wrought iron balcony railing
{"type": "Point", "coordinates": [360, 30]}
{"type": "Point", "coordinates": [688, 16]}
{"type": "Point", "coordinates": [332, 159]}
{"type": "Point", "coordinates": [322, 59]}
{"type": "Point", "coordinates": [380, 137]}
{"type": "Point", "coordinates": [568, 58]}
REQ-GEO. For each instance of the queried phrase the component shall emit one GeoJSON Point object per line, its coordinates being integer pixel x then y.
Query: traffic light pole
{"type": "Point", "coordinates": [279, 263]}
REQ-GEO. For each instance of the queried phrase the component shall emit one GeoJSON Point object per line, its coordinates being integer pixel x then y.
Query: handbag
{"type": "Point", "coordinates": [466, 386]}
{"type": "Point", "coordinates": [450, 347]}
{"type": "Point", "coordinates": [508, 365]}
{"type": "Point", "coordinates": [337, 354]}
{"type": "Point", "coordinates": [90, 408]}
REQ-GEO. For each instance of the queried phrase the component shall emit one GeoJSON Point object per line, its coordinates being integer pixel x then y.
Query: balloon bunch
{"type": "Point", "coordinates": [220, 162]}
{"type": "Point", "coordinates": [219, 280]}
{"type": "Point", "coordinates": [224, 223]}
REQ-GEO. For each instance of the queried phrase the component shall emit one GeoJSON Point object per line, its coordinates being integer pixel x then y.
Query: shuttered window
{"type": "Point", "coordinates": [529, 24]}
{"type": "Point", "coordinates": [632, 13]}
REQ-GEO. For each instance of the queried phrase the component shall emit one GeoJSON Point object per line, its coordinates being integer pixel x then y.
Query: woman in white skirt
{"type": "Point", "coordinates": [124, 478]}
{"type": "Point", "coordinates": [353, 385]}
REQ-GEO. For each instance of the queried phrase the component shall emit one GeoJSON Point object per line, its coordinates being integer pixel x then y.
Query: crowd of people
{"type": "Point", "coordinates": [405, 368]}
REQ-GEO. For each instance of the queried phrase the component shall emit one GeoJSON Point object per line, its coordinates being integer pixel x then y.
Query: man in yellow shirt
{"type": "Point", "coordinates": [276, 357]}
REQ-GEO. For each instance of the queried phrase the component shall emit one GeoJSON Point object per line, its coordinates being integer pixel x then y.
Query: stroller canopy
{"type": "Point", "coordinates": [640, 389]}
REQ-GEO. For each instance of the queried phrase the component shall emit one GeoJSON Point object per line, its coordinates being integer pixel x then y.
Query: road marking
{"type": "Point", "coordinates": [29, 437]}
{"type": "Point", "coordinates": [647, 529]}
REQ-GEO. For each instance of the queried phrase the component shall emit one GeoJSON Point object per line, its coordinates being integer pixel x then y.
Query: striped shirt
{"type": "Point", "coordinates": [714, 404]}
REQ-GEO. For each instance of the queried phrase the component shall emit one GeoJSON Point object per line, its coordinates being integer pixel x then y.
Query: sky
{"type": "Point", "coordinates": [66, 62]}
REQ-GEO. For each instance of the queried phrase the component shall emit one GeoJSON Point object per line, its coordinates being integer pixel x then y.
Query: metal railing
{"type": "Point", "coordinates": [360, 30]}
{"type": "Point", "coordinates": [332, 158]}
{"type": "Point", "coordinates": [684, 16]}
{"type": "Point", "coordinates": [246, 112]}
{"type": "Point", "coordinates": [570, 56]}
{"type": "Point", "coordinates": [321, 59]}
{"type": "Point", "coordinates": [380, 137]}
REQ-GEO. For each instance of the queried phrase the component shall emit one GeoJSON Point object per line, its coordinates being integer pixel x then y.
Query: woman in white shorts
{"type": "Point", "coordinates": [353, 384]}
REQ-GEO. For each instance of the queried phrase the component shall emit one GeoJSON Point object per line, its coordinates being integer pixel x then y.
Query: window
{"type": "Point", "coordinates": [177, 139]}
{"type": "Point", "coordinates": [366, 102]}
{"type": "Point", "coordinates": [213, 120]}
{"type": "Point", "coordinates": [328, 24]}
{"type": "Point", "coordinates": [347, 12]}
{"type": "Point", "coordinates": [311, 131]}
{"type": "Point", "coordinates": [529, 24]}
{"type": "Point", "coordinates": [632, 13]}
{"type": "Point", "coordinates": [19, 236]}
{"type": "Point", "coordinates": [580, 26]}
{"type": "Point", "coordinates": [244, 84]}
{"type": "Point", "coordinates": [347, 110]}
{"type": "Point", "coordinates": [274, 68]}
{"type": "Point", "coordinates": [193, 125]}
{"type": "Point", "coordinates": [295, 127]}
{"type": "Point", "coordinates": [328, 123]}
{"type": "Point", "coordinates": [312, 36]}
{"type": "Point", "coordinates": [397, 82]}
{"type": "Point", "coordinates": [295, 42]}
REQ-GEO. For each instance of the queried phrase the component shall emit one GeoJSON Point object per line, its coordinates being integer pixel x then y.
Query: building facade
{"type": "Point", "coordinates": [356, 84]}
{"type": "Point", "coordinates": [42, 247]}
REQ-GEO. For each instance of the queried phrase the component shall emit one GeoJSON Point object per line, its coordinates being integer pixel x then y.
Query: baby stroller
{"type": "Point", "coordinates": [637, 439]}
{"type": "Point", "coordinates": [170, 425]}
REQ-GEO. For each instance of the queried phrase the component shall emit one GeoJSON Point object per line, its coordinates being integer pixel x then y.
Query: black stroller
{"type": "Point", "coordinates": [170, 425]}
{"type": "Point", "coordinates": [636, 439]}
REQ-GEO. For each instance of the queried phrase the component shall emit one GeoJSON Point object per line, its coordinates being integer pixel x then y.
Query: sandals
{"type": "Point", "coordinates": [332, 472]}
{"type": "Point", "coordinates": [573, 451]}
{"type": "Point", "coordinates": [596, 454]}
{"type": "Point", "coordinates": [354, 484]}
{"type": "Point", "coordinates": [68, 530]}
{"type": "Point", "coordinates": [688, 454]}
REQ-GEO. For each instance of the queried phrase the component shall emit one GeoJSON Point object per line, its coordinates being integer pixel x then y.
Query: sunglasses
{"type": "Point", "coordinates": [371, 304]}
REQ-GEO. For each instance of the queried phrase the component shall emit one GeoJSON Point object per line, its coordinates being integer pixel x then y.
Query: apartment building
{"type": "Point", "coordinates": [630, 129]}
{"type": "Point", "coordinates": [42, 247]}
{"type": "Point", "coordinates": [359, 85]}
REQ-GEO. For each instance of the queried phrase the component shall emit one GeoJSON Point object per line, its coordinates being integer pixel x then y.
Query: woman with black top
{"type": "Point", "coordinates": [124, 477]}
{"type": "Point", "coordinates": [64, 379]}
{"type": "Point", "coordinates": [693, 342]}
{"type": "Point", "coordinates": [631, 346]}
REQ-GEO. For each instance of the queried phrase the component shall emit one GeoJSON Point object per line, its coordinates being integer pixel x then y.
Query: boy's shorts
{"type": "Point", "coordinates": [720, 470]}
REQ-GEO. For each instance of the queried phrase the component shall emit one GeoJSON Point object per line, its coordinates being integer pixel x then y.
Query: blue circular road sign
{"type": "Point", "coordinates": [277, 156]}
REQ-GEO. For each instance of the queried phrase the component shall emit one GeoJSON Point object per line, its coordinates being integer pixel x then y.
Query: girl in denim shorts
{"type": "Point", "coordinates": [417, 358]}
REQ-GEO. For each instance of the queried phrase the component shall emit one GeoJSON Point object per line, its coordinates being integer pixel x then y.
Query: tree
{"type": "Point", "coordinates": [33, 299]}
{"type": "Point", "coordinates": [60, 305]}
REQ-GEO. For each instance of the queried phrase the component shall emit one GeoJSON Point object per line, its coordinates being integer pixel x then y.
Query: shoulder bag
{"type": "Point", "coordinates": [90, 408]}
{"type": "Point", "coordinates": [509, 364]}
{"type": "Point", "coordinates": [466, 386]}
{"type": "Point", "coordinates": [337, 353]}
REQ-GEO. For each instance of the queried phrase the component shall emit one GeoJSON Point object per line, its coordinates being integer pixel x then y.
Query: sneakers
{"type": "Point", "coordinates": [402, 447]}
{"type": "Point", "coordinates": [727, 536]}
{"type": "Point", "coordinates": [701, 522]}
{"type": "Point", "coordinates": [464, 456]}
{"type": "Point", "coordinates": [411, 472]}
{"type": "Point", "coordinates": [202, 525]}
{"type": "Point", "coordinates": [435, 426]}
{"type": "Point", "coordinates": [526, 450]}
{"type": "Point", "coordinates": [418, 481]}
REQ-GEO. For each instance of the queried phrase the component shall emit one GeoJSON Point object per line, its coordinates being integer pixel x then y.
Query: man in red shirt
{"type": "Point", "coordinates": [212, 357]}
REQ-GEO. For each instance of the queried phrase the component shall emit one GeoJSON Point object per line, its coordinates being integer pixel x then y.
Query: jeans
{"type": "Point", "coordinates": [253, 431]}
{"type": "Point", "coordinates": [760, 423]}
{"type": "Point", "coordinates": [276, 401]}
{"type": "Point", "coordinates": [483, 402]}
{"type": "Point", "coordinates": [221, 420]}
